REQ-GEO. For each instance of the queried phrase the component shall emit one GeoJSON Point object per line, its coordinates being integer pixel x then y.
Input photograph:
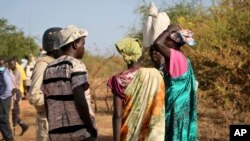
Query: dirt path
{"type": "Point", "coordinates": [213, 122]}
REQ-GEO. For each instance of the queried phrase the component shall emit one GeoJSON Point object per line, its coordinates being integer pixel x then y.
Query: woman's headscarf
{"type": "Point", "coordinates": [183, 36]}
{"type": "Point", "coordinates": [130, 49]}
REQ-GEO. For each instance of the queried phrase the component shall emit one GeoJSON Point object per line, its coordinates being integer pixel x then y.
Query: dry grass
{"type": "Point", "coordinates": [214, 119]}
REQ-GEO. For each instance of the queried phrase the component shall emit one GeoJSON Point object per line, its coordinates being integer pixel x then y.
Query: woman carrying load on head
{"type": "Point", "coordinates": [181, 86]}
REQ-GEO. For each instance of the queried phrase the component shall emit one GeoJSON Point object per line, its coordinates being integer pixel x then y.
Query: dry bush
{"type": "Point", "coordinates": [100, 70]}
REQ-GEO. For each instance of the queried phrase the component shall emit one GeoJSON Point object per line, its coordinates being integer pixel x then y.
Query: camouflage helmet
{"type": "Point", "coordinates": [50, 38]}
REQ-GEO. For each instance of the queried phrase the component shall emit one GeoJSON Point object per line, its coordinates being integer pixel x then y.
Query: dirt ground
{"type": "Point", "coordinates": [213, 122]}
{"type": "Point", "coordinates": [28, 115]}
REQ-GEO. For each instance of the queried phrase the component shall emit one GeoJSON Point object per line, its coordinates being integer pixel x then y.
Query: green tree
{"type": "Point", "coordinates": [14, 43]}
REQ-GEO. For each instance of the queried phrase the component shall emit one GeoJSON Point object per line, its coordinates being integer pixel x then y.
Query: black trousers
{"type": "Point", "coordinates": [4, 118]}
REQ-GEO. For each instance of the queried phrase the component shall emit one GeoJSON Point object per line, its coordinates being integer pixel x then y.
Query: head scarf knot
{"type": "Point", "coordinates": [130, 49]}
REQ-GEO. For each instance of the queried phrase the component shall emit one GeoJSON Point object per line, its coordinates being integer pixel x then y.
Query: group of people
{"type": "Point", "coordinates": [160, 103]}
{"type": "Point", "coordinates": [155, 104]}
{"type": "Point", "coordinates": [60, 89]}
{"type": "Point", "coordinates": [150, 104]}
{"type": "Point", "coordinates": [11, 92]}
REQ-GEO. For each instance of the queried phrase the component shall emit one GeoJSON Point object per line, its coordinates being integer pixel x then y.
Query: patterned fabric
{"type": "Point", "coordinates": [143, 118]}
{"type": "Point", "coordinates": [144, 110]}
{"type": "Point", "coordinates": [119, 82]}
{"type": "Point", "coordinates": [130, 49]}
{"type": "Point", "coordinates": [60, 78]}
{"type": "Point", "coordinates": [183, 36]}
{"type": "Point", "coordinates": [181, 107]}
{"type": "Point", "coordinates": [187, 37]}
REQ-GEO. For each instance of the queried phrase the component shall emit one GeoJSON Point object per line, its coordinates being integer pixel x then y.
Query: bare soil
{"type": "Point", "coordinates": [213, 121]}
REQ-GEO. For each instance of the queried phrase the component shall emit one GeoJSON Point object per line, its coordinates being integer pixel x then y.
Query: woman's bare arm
{"type": "Point", "coordinates": [160, 42]}
{"type": "Point", "coordinates": [117, 117]}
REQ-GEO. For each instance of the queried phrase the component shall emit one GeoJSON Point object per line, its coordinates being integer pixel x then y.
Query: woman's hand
{"type": "Point", "coordinates": [173, 28]}
{"type": "Point", "coordinates": [163, 43]}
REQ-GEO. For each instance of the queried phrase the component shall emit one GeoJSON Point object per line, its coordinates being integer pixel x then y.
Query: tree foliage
{"type": "Point", "coordinates": [14, 43]}
{"type": "Point", "coordinates": [221, 57]}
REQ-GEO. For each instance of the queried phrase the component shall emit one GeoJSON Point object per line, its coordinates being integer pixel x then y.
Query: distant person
{"type": "Point", "coordinates": [181, 100]}
{"type": "Point", "coordinates": [28, 71]}
{"type": "Point", "coordinates": [139, 98]}
{"type": "Point", "coordinates": [22, 86]}
{"type": "Point", "coordinates": [16, 80]}
{"type": "Point", "coordinates": [66, 89]}
{"type": "Point", "coordinates": [24, 62]}
{"type": "Point", "coordinates": [36, 96]}
{"type": "Point", "coordinates": [158, 60]}
{"type": "Point", "coordinates": [6, 88]}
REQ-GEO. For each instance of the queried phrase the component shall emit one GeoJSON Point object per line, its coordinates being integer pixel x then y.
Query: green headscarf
{"type": "Point", "coordinates": [130, 49]}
